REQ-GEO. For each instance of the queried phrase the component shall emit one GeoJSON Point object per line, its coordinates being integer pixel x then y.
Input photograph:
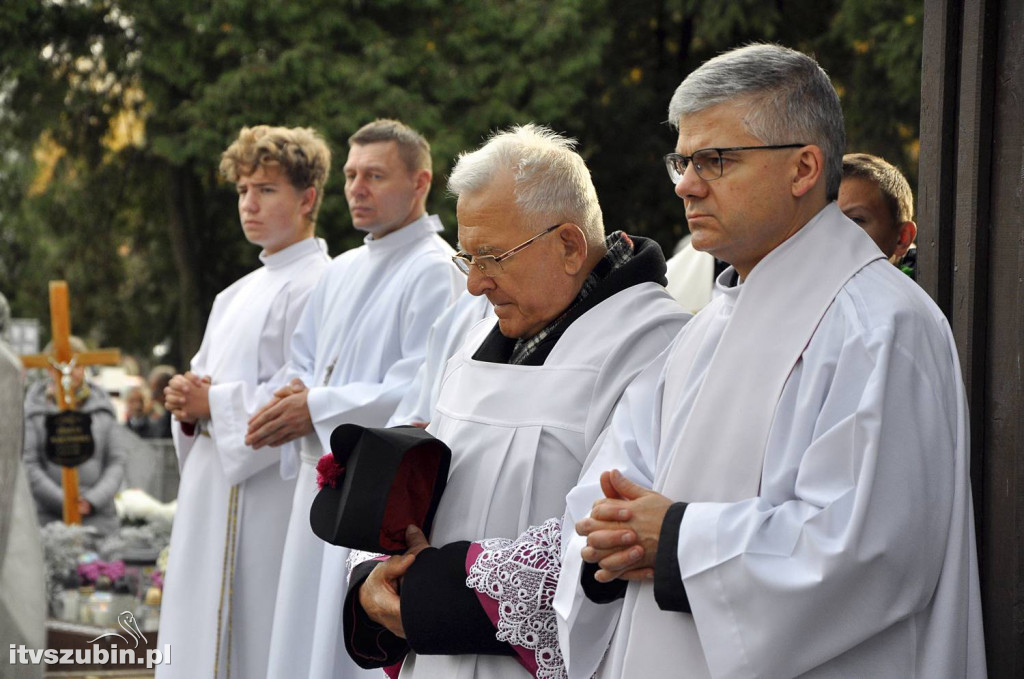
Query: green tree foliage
{"type": "Point", "coordinates": [870, 48]}
{"type": "Point", "coordinates": [147, 234]}
{"type": "Point", "coordinates": [877, 66]}
{"type": "Point", "coordinates": [68, 207]}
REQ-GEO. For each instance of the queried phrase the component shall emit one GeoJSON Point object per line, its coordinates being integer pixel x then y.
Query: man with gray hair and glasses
{"type": "Point", "coordinates": [522, 402]}
{"type": "Point", "coordinates": [806, 436]}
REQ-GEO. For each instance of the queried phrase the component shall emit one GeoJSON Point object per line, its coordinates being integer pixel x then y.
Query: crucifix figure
{"type": "Point", "coordinates": [64, 361]}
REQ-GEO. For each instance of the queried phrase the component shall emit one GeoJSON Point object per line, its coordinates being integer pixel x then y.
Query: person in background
{"type": "Point", "coordinates": [877, 197]}
{"type": "Point", "coordinates": [99, 477]}
{"type": "Point", "coordinates": [139, 413]}
{"type": "Point", "coordinates": [159, 378]}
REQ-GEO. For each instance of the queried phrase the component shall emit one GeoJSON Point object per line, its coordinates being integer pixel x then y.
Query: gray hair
{"type": "Point", "coordinates": [789, 96]}
{"type": "Point", "coordinates": [551, 180]}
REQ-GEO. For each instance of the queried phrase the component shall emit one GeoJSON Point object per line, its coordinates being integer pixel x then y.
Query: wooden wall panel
{"type": "Point", "coordinates": [971, 255]}
{"type": "Point", "coordinates": [1002, 542]}
{"type": "Point", "coordinates": [940, 77]}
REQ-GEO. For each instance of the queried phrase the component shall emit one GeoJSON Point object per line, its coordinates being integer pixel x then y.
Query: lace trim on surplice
{"type": "Point", "coordinates": [521, 575]}
{"type": "Point", "coordinates": [358, 556]}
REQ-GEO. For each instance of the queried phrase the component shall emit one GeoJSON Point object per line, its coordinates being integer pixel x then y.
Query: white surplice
{"type": "Point", "coordinates": [446, 336]}
{"type": "Point", "coordinates": [519, 434]}
{"type": "Point", "coordinates": [357, 348]}
{"type": "Point", "coordinates": [813, 417]}
{"type": "Point", "coordinates": [691, 275]}
{"type": "Point", "coordinates": [233, 505]}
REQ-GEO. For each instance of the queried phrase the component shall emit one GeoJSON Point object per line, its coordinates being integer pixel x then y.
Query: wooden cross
{"type": "Point", "coordinates": [64, 360]}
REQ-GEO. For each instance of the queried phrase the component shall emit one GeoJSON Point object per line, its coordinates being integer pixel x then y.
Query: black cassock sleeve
{"type": "Point", "coordinates": [370, 645]}
{"type": "Point", "coordinates": [441, 615]}
{"type": "Point", "coordinates": [600, 592]}
{"type": "Point", "coordinates": [669, 590]}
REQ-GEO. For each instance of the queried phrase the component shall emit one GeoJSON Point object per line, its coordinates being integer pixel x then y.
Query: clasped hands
{"type": "Point", "coordinates": [284, 418]}
{"type": "Point", "coordinates": [623, 528]}
{"type": "Point", "coordinates": [187, 397]}
{"type": "Point", "coordinates": [380, 594]}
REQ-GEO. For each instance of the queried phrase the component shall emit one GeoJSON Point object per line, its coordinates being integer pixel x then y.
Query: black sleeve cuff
{"type": "Point", "coordinates": [440, 613]}
{"type": "Point", "coordinates": [669, 591]}
{"type": "Point", "coordinates": [370, 645]}
{"type": "Point", "coordinates": [601, 592]}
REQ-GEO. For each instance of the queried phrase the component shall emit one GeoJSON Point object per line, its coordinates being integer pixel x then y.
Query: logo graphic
{"type": "Point", "coordinates": [127, 622]}
{"type": "Point", "coordinates": [94, 654]}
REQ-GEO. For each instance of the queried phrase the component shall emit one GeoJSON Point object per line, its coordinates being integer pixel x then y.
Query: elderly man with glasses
{"type": "Point", "coordinates": [522, 403]}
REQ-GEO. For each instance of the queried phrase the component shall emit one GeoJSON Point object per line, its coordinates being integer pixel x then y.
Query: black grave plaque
{"type": "Point", "coordinates": [69, 440]}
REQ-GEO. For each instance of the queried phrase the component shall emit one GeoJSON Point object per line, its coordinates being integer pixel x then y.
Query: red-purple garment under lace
{"type": "Point", "coordinates": [515, 582]}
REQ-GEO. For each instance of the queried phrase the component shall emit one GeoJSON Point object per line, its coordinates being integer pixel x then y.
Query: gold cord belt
{"type": "Point", "coordinates": [227, 581]}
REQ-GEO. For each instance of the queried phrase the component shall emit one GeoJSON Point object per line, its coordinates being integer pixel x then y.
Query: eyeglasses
{"type": "Point", "coordinates": [491, 265]}
{"type": "Point", "coordinates": [709, 162]}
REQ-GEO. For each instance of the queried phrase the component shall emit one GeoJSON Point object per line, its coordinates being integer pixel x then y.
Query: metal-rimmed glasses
{"type": "Point", "coordinates": [709, 163]}
{"type": "Point", "coordinates": [490, 265]}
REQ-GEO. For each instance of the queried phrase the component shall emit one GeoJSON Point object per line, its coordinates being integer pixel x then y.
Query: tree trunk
{"type": "Point", "coordinates": [180, 223]}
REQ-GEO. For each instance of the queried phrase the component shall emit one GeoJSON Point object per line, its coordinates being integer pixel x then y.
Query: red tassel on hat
{"type": "Point", "coordinates": [329, 472]}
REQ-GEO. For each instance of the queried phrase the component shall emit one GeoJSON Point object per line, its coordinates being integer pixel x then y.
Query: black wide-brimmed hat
{"type": "Point", "coordinates": [374, 483]}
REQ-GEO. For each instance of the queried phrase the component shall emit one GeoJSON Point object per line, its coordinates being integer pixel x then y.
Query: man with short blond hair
{"type": "Point", "coordinates": [354, 355]}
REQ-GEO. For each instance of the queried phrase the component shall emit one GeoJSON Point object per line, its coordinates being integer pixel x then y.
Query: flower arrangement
{"type": "Point", "coordinates": [157, 579]}
{"type": "Point", "coordinates": [88, 575]}
{"type": "Point", "coordinates": [65, 547]}
{"type": "Point", "coordinates": [104, 576]}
